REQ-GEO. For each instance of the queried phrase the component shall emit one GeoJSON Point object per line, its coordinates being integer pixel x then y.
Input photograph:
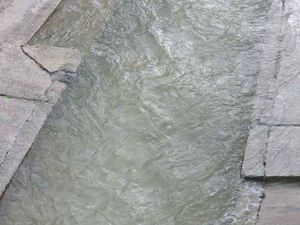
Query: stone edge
{"type": "Point", "coordinates": [31, 127]}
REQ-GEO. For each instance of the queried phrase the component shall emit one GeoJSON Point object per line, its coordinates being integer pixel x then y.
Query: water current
{"type": "Point", "coordinates": [153, 129]}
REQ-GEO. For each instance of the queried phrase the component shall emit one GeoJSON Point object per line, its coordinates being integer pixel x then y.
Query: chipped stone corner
{"type": "Point", "coordinates": [60, 63]}
{"type": "Point", "coordinates": [54, 59]}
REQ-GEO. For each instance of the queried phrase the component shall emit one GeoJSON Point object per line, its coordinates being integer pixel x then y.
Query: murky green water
{"type": "Point", "coordinates": [153, 130]}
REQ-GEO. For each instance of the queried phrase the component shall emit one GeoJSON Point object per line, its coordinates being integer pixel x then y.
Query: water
{"type": "Point", "coordinates": [154, 129]}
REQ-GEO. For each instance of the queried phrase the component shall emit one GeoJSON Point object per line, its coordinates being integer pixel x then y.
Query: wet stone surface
{"type": "Point", "coordinates": [283, 152]}
{"type": "Point", "coordinates": [27, 90]}
{"type": "Point", "coordinates": [275, 153]}
{"type": "Point", "coordinates": [273, 148]}
{"type": "Point", "coordinates": [54, 59]}
{"type": "Point", "coordinates": [20, 76]}
{"type": "Point", "coordinates": [281, 205]}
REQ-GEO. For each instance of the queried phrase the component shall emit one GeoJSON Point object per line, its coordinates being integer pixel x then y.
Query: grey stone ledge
{"type": "Point", "coordinates": [32, 79]}
{"type": "Point", "coordinates": [20, 122]}
{"type": "Point", "coordinates": [281, 205]}
{"type": "Point", "coordinates": [54, 59]}
{"type": "Point", "coordinates": [273, 148]}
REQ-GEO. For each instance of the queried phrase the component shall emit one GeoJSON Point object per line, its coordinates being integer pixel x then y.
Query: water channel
{"type": "Point", "coordinates": [153, 130]}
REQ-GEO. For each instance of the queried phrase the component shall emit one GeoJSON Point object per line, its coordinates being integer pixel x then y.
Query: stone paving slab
{"type": "Point", "coordinates": [27, 101]}
{"type": "Point", "coordinates": [283, 152]}
{"type": "Point", "coordinates": [20, 76]}
{"type": "Point", "coordinates": [53, 58]}
{"type": "Point", "coordinates": [265, 88]}
{"type": "Point", "coordinates": [13, 114]}
{"type": "Point", "coordinates": [20, 122]}
{"type": "Point", "coordinates": [281, 205]}
{"type": "Point", "coordinates": [272, 152]}
{"type": "Point", "coordinates": [287, 99]}
{"type": "Point", "coordinates": [21, 19]}
{"type": "Point", "coordinates": [32, 79]}
{"type": "Point", "coordinates": [253, 163]}
{"type": "Point", "coordinates": [273, 147]}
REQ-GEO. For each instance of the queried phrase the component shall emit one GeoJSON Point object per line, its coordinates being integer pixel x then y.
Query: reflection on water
{"type": "Point", "coordinates": [154, 129]}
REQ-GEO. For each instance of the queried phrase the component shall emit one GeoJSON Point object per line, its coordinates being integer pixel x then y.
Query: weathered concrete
{"type": "Point", "coordinates": [281, 205]}
{"type": "Point", "coordinates": [273, 147]}
{"type": "Point", "coordinates": [20, 19]}
{"type": "Point", "coordinates": [283, 152]}
{"type": "Point", "coordinates": [20, 76]}
{"type": "Point", "coordinates": [253, 165]}
{"type": "Point", "coordinates": [29, 79]}
{"type": "Point", "coordinates": [21, 121]}
{"type": "Point", "coordinates": [273, 144]}
{"type": "Point", "coordinates": [54, 59]}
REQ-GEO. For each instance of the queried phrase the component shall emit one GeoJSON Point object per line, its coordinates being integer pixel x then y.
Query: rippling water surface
{"type": "Point", "coordinates": [153, 130]}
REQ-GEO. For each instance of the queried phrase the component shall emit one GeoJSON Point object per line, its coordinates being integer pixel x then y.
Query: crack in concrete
{"type": "Point", "coordinates": [16, 137]}
{"type": "Point", "coordinates": [278, 124]}
{"type": "Point", "coordinates": [65, 77]}
{"type": "Point", "coordinates": [278, 59]}
{"type": "Point", "coordinates": [33, 59]}
{"type": "Point", "coordinates": [24, 98]}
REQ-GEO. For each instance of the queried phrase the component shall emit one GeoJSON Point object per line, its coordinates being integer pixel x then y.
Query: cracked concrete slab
{"type": "Point", "coordinates": [265, 89]}
{"type": "Point", "coordinates": [29, 82]}
{"type": "Point", "coordinates": [20, 76]}
{"type": "Point", "coordinates": [54, 59]}
{"type": "Point", "coordinates": [277, 101]}
{"type": "Point", "coordinates": [27, 94]}
{"type": "Point", "coordinates": [21, 121]}
{"type": "Point", "coordinates": [273, 146]}
{"type": "Point", "coordinates": [13, 114]}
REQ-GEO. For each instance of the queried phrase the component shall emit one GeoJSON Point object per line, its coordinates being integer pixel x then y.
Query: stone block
{"type": "Point", "coordinates": [253, 163]}
{"type": "Point", "coordinates": [54, 59]}
{"type": "Point", "coordinates": [281, 205]}
{"type": "Point", "coordinates": [283, 152]}
{"type": "Point", "coordinates": [23, 119]}
{"type": "Point", "coordinates": [20, 76]}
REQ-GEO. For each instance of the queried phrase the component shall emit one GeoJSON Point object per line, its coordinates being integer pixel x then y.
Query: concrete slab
{"type": "Point", "coordinates": [21, 121]}
{"type": "Point", "coordinates": [266, 89]}
{"type": "Point", "coordinates": [29, 82]}
{"type": "Point", "coordinates": [13, 114]}
{"type": "Point", "coordinates": [286, 109]}
{"type": "Point", "coordinates": [283, 152]}
{"type": "Point", "coordinates": [20, 19]}
{"type": "Point", "coordinates": [281, 205]}
{"type": "Point", "coordinates": [53, 58]}
{"type": "Point", "coordinates": [20, 76]}
{"type": "Point", "coordinates": [273, 147]}
{"type": "Point", "coordinates": [287, 98]}
{"type": "Point", "coordinates": [253, 163]}
{"type": "Point", "coordinates": [277, 101]}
